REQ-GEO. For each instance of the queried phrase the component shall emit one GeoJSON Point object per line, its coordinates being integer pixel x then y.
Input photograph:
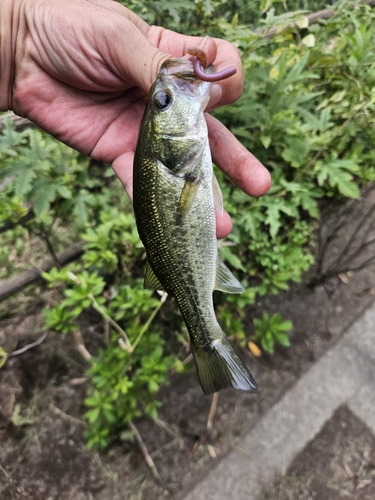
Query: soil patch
{"type": "Point", "coordinates": [339, 463]}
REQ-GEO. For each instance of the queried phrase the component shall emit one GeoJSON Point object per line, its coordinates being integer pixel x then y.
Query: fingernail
{"type": "Point", "coordinates": [216, 93]}
{"type": "Point", "coordinates": [202, 42]}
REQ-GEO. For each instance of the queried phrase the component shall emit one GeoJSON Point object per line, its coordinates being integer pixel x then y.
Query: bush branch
{"type": "Point", "coordinates": [144, 450]}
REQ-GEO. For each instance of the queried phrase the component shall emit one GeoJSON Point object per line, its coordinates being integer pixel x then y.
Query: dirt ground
{"type": "Point", "coordinates": [42, 447]}
{"type": "Point", "coordinates": [339, 463]}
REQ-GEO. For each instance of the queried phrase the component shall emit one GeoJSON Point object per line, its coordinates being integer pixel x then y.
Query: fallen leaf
{"type": "Point", "coordinates": [344, 278]}
{"type": "Point", "coordinates": [254, 349]}
{"type": "Point", "coordinates": [211, 452]}
{"type": "Point", "coordinates": [309, 40]}
{"type": "Point", "coordinates": [303, 22]}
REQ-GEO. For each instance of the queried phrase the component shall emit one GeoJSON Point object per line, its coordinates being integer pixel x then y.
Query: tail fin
{"type": "Point", "coordinates": [220, 368]}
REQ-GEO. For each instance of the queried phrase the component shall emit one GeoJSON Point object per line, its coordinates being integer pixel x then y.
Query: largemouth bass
{"type": "Point", "coordinates": [175, 195]}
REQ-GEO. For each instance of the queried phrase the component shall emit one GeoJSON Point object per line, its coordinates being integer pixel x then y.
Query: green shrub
{"type": "Point", "coordinates": [271, 330]}
{"type": "Point", "coordinates": [307, 113]}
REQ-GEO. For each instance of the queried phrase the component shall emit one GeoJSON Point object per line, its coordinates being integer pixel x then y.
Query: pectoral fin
{"type": "Point", "coordinates": [151, 282]}
{"type": "Point", "coordinates": [225, 281]}
{"type": "Point", "coordinates": [218, 195]}
{"type": "Point", "coordinates": [188, 194]}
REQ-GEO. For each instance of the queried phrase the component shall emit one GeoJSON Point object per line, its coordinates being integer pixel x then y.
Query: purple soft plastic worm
{"type": "Point", "coordinates": [200, 59]}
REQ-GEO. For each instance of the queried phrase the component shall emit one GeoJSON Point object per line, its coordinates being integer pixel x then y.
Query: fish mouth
{"type": "Point", "coordinates": [179, 74]}
{"type": "Point", "coordinates": [182, 68]}
{"type": "Point", "coordinates": [178, 68]}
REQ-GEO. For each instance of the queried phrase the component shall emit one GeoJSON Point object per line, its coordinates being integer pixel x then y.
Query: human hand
{"type": "Point", "coordinates": [83, 70]}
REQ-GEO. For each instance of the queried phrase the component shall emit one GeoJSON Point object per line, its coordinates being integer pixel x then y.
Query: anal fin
{"type": "Point", "coordinates": [225, 281]}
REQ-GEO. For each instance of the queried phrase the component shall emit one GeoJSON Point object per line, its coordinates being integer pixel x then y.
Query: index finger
{"type": "Point", "coordinates": [236, 161]}
{"type": "Point", "coordinates": [231, 88]}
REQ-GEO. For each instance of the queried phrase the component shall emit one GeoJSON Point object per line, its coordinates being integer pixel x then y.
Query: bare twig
{"type": "Point", "coordinates": [13, 285]}
{"type": "Point", "coordinates": [353, 237]}
{"type": "Point", "coordinates": [361, 266]}
{"type": "Point", "coordinates": [51, 250]}
{"type": "Point", "coordinates": [108, 473]}
{"type": "Point", "coordinates": [24, 450]}
{"type": "Point", "coordinates": [187, 360]}
{"type": "Point", "coordinates": [144, 450]}
{"type": "Point", "coordinates": [10, 224]}
{"type": "Point", "coordinates": [340, 223]}
{"type": "Point", "coordinates": [211, 452]}
{"type": "Point", "coordinates": [314, 17]}
{"type": "Point", "coordinates": [335, 272]}
{"type": "Point", "coordinates": [358, 242]}
{"type": "Point", "coordinates": [29, 346]}
{"type": "Point", "coordinates": [148, 322]}
{"type": "Point", "coordinates": [106, 332]}
{"type": "Point", "coordinates": [79, 380]}
{"type": "Point", "coordinates": [65, 416]}
{"type": "Point", "coordinates": [81, 345]}
{"type": "Point", "coordinates": [237, 448]}
{"type": "Point", "coordinates": [7, 476]}
{"type": "Point", "coordinates": [211, 415]}
{"type": "Point", "coordinates": [167, 428]}
{"type": "Point", "coordinates": [323, 245]}
{"type": "Point", "coordinates": [357, 252]}
{"type": "Point", "coordinates": [44, 234]}
{"type": "Point", "coordinates": [11, 403]}
{"type": "Point", "coordinates": [348, 470]}
{"type": "Point", "coordinates": [127, 345]}
{"type": "Point", "coordinates": [281, 477]}
{"type": "Point", "coordinates": [166, 446]}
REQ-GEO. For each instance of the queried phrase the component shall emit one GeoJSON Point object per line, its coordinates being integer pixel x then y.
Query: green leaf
{"type": "Point", "coordinates": [283, 339]}
{"type": "Point", "coordinates": [24, 180]}
{"type": "Point", "coordinates": [267, 344]}
{"type": "Point", "coordinates": [92, 415]}
{"type": "Point", "coordinates": [83, 199]}
{"type": "Point", "coordinates": [274, 210]}
{"type": "Point", "coordinates": [63, 191]}
{"type": "Point", "coordinates": [336, 171]}
{"type": "Point", "coordinates": [44, 196]}
{"type": "Point", "coordinates": [284, 326]}
{"type": "Point", "coordinates": [265, 140]}
{"type": "Point", "coordinates": [296, 151]}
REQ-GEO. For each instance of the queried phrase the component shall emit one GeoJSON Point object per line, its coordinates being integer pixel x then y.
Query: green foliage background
{"type": "Point", "coordinates": [307, 113]}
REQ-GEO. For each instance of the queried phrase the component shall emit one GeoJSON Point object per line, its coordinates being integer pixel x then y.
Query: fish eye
{"type": "Point", "coordinates": [163, 99]}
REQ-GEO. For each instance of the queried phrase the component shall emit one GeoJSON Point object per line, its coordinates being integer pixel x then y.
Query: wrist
{"type": "Point", "coordinates": [9, 27]}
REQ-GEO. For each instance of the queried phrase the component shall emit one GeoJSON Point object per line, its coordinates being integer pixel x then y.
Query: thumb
{"type": "Point", "coordinates": [138, 60]}
{"type": "Point", "coordinates": [140, 49]}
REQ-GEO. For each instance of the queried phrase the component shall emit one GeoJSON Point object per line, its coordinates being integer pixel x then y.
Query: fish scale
{"type": "Point", "coordinates": [175, 213]}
